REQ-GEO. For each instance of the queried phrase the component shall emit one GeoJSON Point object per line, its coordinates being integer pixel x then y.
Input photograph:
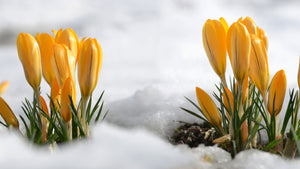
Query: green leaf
{"type": "Point", "coordinates": [296, 139]}
{"type": "Point", "coordinates": [194, 114]}
{"type": "Point", "coordinates": [271, 144]}
{"type": "Point", "coordinates": [99, 112]}
{"type": "Point", "coordinates": [5, 125]}
{"type": "Point", "coordinates": [106, 113]}
{"type": "Point", "coordinates": [26, 127]}
{"type": "Point", "coordinates": [88, 110]}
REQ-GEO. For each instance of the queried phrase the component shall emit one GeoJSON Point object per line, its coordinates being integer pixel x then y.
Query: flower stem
{"type": "Point", "coordinates": [83, 115]}
{"type": "Point", "coordinates": [43, 120]}
{"type": "Point", "coordinates": [69, 130]}
{"type": "Point", "coordinates": [223, 80]}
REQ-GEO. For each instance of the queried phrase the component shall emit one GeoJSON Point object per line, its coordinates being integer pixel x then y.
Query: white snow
{"type": "Point", "coordinates": [153, 57]}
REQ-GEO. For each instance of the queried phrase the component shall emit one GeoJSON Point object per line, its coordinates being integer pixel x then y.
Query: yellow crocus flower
{"type": "Point", "coordinates": [238, 46]}
{"type": "Point", "coordinates": [3, 86]}
{"type": "Point", "coordinates": [214, 41]}
{"type": "Point", "coordinates": [277, 91]}
{"type": "Point", "coordinates": [258, 68]}
{"type": "Point", "coordinates": [69, 38]}
{"type": "Point", "coordinates": [66, 91]}
{"type": "Point", "coordinates": [60, 63]}
{"type": "Point", "coordinates": [29, 55]}
{"type": "Point", "coordinates": [46, 43]}
{"type": "Point", "coordinates": [209, 108]}
{"type": "Point", "coordinates": [7, 114]}
{"type": "Point", "coordinates": [89, 65]}
{"type": "Point", "coordinates": [250, 24]}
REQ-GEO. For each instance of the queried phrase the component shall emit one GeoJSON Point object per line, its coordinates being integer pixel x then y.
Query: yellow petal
{"type": "Point", "coordinates": [238, 46]}
{"type": "Point", "coordinates": [209, 108]}
{"type": "Point", "coordinates": [89, 65]}
{"type": "Point", "coordinates": [55, 32]}
{"type": "Point", "coordinates": [67, 91]}
{"type": "Point", "coordinates": [250, 24]}
{"type": "Point", "coordinates": [224, 23]}
{"type": "Point", "coordinates": [262, 35]}
{"type": "Point", "coordinates": [44, 105]}
{"type": "Point", "coordinates": [3, 86]}
{"type": "Point", "coordinates": [214, 41]}
{"type": "Point", "coordinates": [7, 114]}
{"type": "Point", "coordinates": [244, 133]}
{"type": "Point", "coordinates": [46, 43]}
{"type": "Point", "coordinates": [29, 55]}
{"type": "Point", "coordinates": [44, 120]}
{"type": "Point", "coordinates": [60, 63]}
{"type": "Point", "coordinates": [259, 69]}
{"type": "Point", "coordinates": [55, 95]}
{"type": "Point", "coordinates": [277, 92]}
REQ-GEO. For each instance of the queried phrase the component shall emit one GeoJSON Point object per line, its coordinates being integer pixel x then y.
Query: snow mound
{"type": "Point", "coordinates": [258, 159]}
{"type": "Point", "coordinates": [112, 147]}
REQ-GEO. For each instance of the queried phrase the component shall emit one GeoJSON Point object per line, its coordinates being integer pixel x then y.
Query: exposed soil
{"type": "Point", "coordinates": [194, 134]}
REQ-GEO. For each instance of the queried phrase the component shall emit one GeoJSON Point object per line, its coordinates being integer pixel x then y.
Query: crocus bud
{"type": "Point", "coordinates": [262, 35]}
{"type": "Point", "coordinates": [7, 114]}
{"type": "Point", "coordinates": [214, 41]}
{"type": "Point", "coordinates": [228, 101]}
{"type": "Point", "coordinates": [29, 55]}
{"type": "Point", "coordinates": [44, 105]}
{"type": "Point", "coordinates": [60, 63]}
{"type": "Point", "coordinates": [244, 133]}
{"type": "Point", "coordinates": [209, 108]}
{"type": "Point", "coordinates": [250, 24]}
{"type": "Point", "coordinates": [238, 46]}
{"type": "Point", "coordinates": [69, 38]}
{"type": "Point", "coordinates": [277, 92]}
{"type": "Point", "coordinates": [44, 119]}
{"type": "Point", "coordinates": [3, 86]}
{"type": "Point", "coordinates": [89, 65]}
{"type": "Point", "coordinates": [46, 43]}
{"type": "Point", "coordinates": [258, 68]}
{"type": "Point", "coordinates": [67, 92]}
{"type": "Point", "coordinates": [55, 95]}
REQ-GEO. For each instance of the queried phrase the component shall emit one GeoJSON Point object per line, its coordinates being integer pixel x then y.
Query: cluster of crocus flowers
{"type": "Point", "coordinates": [246, 45]}
{"type": "Point", "coordinates": [56, 58]}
